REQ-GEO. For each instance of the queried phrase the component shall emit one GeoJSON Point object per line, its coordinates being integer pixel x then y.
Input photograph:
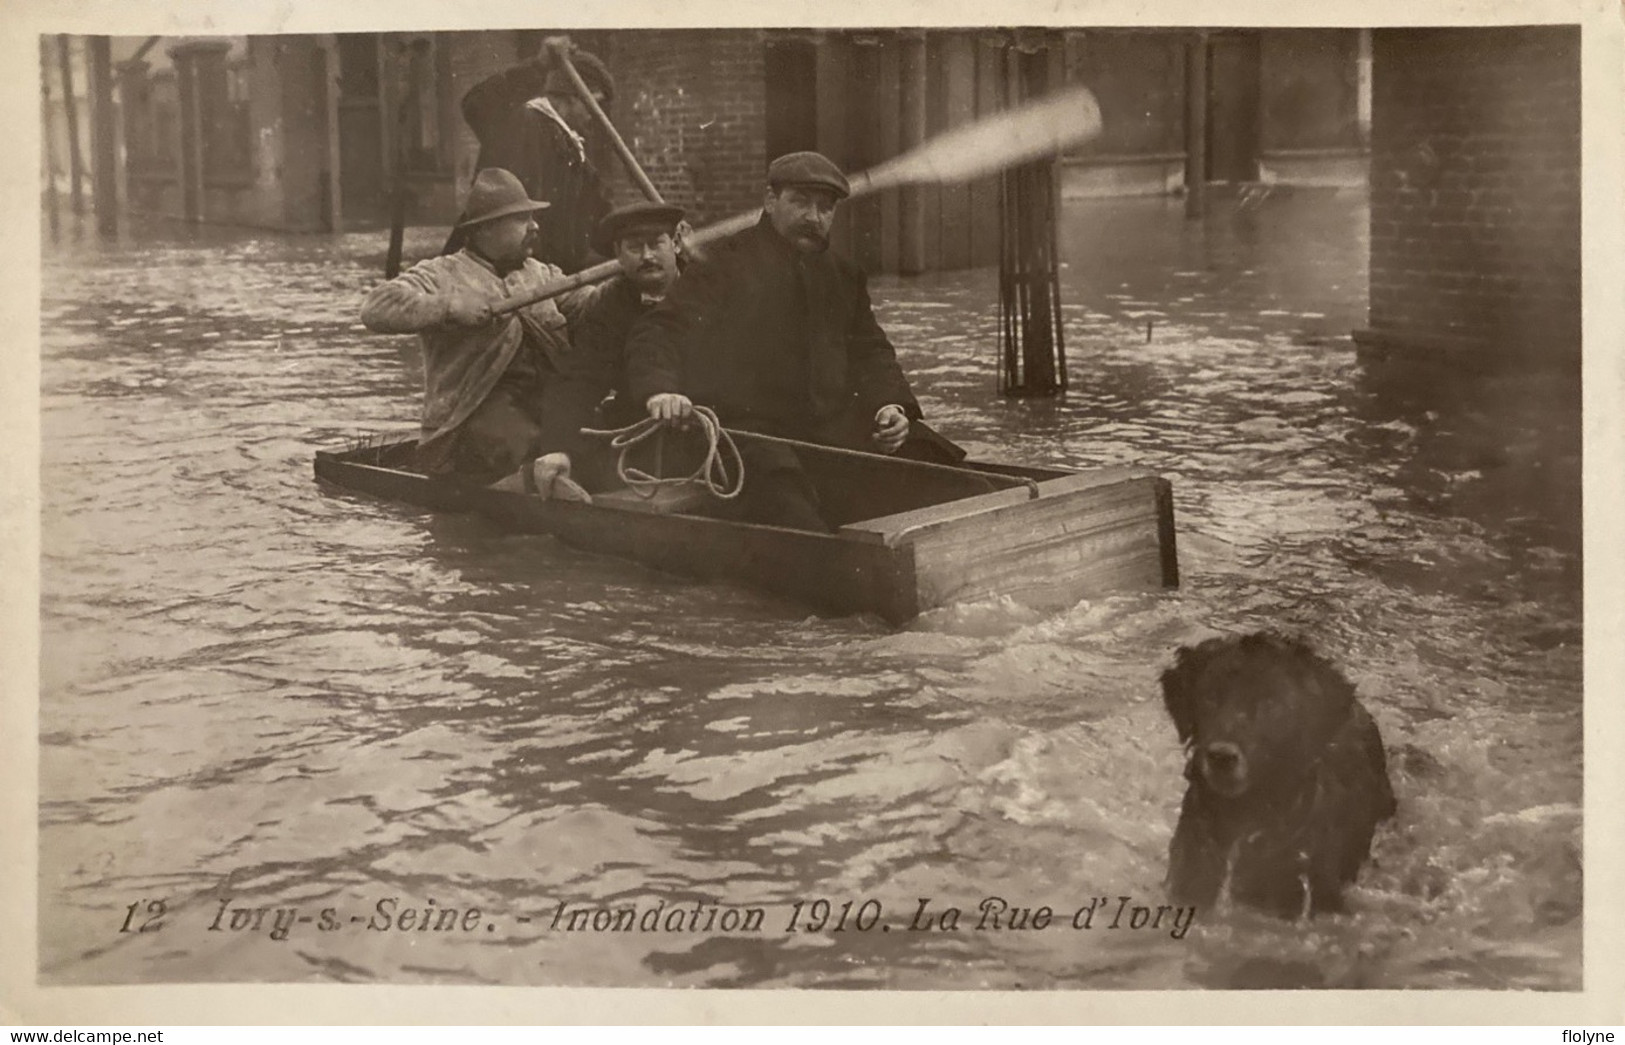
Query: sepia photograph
{"type": "Point", "coordinates": [902, 505]}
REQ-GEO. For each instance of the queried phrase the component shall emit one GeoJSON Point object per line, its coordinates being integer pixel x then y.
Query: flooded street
{"type": "Point", "coordinates": [260, 692]}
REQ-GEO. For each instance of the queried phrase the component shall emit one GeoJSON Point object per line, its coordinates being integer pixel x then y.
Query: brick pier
{"type": "Point", "coordinates": [1475, 191]}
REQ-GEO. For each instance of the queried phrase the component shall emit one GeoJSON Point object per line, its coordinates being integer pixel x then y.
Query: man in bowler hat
{"type": "Point", "coordinates": [647, 241]}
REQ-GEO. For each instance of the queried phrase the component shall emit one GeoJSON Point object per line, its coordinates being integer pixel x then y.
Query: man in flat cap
{"type": "Point", "coordinates": [530, 120]}
{"type": "Point", "coordinates": [776, 334]}
{"type": "Point", "coordinates": [489, 379]}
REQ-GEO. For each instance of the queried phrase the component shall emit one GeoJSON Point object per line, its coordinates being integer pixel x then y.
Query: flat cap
{"type": "Point", "coordinates": [808, 168]}
{"type": "Point", "coordinates": [664, 216]}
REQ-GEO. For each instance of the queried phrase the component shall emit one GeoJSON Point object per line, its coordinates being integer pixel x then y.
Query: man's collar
{"type": "Point", "coordinates": [491, 266]}
{"type": "Point", "coordinates": [636, 293]}
{"type": "Point", "coordinates": [542, 105]}
{"type": "Point", "coordinates": [790, 250]}
{"type": "Point", "coordinates": [765, 227]}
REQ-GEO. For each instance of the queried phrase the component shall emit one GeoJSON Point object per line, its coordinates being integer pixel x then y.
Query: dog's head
{"type": "Point", "coordinates": [1253, 712]}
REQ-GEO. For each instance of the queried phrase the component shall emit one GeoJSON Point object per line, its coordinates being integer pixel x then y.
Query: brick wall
{"type": "Point", "coordinates": [1475, 189]}
{"type": "Point", "coordinates": [692, 106]}
{"type": "Point", "coordinates": [471, 58]}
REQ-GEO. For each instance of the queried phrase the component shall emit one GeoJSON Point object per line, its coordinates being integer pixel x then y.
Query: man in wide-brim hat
{"type": "Point", "coordinates": [776, 334]}
{"type": "Point", "coordinates": [529, 119]}
{"type": "Point", "coordinates": [488, 377]}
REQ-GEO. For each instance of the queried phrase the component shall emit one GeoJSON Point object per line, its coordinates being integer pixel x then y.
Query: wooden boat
{"type": "Point", "coordinates": [910, 537]}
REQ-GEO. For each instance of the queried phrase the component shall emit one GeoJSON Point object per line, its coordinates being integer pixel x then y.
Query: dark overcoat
{"type": "Point", "coordinates": [772, 339]}
{"type": "Point", "coordinates": [543, 156]}
{"type": "Point", "coordinates": [596, 367]}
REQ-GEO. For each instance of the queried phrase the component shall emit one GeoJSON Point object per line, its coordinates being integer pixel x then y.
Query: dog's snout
{"type": "Point", "coordinates": [1224, 766]}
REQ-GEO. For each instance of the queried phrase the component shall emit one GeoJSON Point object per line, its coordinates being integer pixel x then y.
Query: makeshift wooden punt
{"type": "Point", "coordinates": [910, 536]}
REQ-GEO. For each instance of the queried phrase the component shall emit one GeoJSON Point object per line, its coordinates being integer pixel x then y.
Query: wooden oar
{"type": "Point", "coordinates": [147, 45]}
{"type": "Point", "coordinates": [562, 56]}
{"type": "Point", "coordinates": [1044, 127]}
{"type": "Point", "coordinates": [606, 269]}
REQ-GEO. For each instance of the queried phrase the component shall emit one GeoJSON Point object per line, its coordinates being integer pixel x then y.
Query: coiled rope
{"type": "Point", "coordinates": [712, 472]}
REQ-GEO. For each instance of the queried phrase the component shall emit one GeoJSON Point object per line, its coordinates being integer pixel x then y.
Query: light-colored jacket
{"type": "Point", "coordinates": [462, 364]}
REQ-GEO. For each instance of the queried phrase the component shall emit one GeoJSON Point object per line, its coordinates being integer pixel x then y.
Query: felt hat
{"type": "Point", "coordinates": [808, 169]}
{"type": "Point", "coordinates": [594, 73]}
{"type": "Point", "coordinates": [496, 193]}
{"type": "Point", "coordinates": [663, 216]}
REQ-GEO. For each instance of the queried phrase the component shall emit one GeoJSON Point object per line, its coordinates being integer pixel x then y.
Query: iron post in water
{"type": "Point", "coordinates": [912, 97]}
{"type": "Point", "coordinates": [1032, 353]}
{"type": "Point", "coordinates": [76, 163]}
{"type": "Point", "coordinates": [49, 119]}
{"type": "Point", "coordinates": [397, 188]}
{"type": "Point", "coordinates": [1196, 62]}
{"type": "Point", "coordinates": [103, 136]}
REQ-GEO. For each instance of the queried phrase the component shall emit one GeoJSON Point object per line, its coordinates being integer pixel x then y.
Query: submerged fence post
{"type": "Point", "coordinates": [103, 135]}
{"type": "Point", "coordinates": [913, 91]}
{"type": "Point", "coordinates": [52, 208]}
{"type": "Point", "coordinates": [70, 106]}
{"type": "Point", "coordinates": [1196, 77]}
{"type": "Point", "coordinates": [1032, 352]}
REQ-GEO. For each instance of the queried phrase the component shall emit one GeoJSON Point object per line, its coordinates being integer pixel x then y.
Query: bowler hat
{"type": "Point", "coordinates": [496, 194]}
{"type": "Point", "coordinates": [593, 73]}
{"type": "Point", "coordinates": [634, 215]}
{"type": "Point", "coordinates": [808, 168]}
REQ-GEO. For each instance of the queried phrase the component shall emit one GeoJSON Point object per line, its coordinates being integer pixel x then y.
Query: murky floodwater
{"type": "Point", "coordinates": [264, 693]}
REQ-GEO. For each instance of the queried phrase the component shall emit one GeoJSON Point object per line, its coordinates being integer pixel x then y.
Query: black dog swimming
{"type": "Point", "coordinates": [1287, 776]}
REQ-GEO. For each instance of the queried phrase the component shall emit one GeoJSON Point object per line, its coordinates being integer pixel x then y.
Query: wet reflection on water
{"type": "Point", "coordinates": [266, 692]}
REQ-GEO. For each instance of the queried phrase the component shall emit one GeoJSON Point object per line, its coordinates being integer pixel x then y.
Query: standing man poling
{"type": "Point", "coordinates": [530, 120]}
{"type": "Point", "coordinates": [777, 334]}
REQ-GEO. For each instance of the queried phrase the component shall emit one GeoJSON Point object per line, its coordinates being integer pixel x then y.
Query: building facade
{"type": "Point", "coordinates": [1475, 191]}
{"type": "Point", "coordinates": [1281, 106]}
{"type": "Point", "coordinates": [316, 132]}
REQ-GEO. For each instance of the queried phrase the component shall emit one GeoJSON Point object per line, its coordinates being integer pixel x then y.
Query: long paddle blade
{"type": "Point", "coordinates": [1045, 127]}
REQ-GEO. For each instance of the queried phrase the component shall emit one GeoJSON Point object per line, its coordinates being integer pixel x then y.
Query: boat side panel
{"type": "Point", "coordinates": [1052, 551]}
{"type": "Point", "coordinates": [391, 483]}
{"type": "Point", "coordinates": [909, 526]}
{"type": "Point", "coordinates": [1165, 533]}
{"type": "Point", "coordinates": [834, 574]}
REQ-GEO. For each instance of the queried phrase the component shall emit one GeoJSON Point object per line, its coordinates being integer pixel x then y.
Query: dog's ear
{"type": "Point", "coordinates": [1177, 691]}
{"type": "Point", "coordinates": [1336, 697]}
